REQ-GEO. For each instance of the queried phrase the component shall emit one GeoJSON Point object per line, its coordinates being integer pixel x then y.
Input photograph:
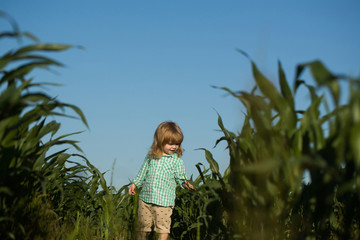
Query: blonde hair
{"type": "Point", "coordinates": [166, 133]}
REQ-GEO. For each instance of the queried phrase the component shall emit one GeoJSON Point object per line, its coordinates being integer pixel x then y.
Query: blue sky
{"type": "Point", "coordinates": [146, 62]}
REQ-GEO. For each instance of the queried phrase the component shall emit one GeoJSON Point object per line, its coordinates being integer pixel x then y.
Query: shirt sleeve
{"type": "Point", "coordinates": [139, 179]}
{"type": "Point", "coordinates": [180, 174]}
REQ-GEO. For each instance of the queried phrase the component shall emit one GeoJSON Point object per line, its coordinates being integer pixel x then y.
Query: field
{"type": "Point", "coordinates": [261, 195]}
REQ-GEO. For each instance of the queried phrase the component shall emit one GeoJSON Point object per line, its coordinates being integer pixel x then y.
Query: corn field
{"type": "Point", "coordinates": [48, 194]}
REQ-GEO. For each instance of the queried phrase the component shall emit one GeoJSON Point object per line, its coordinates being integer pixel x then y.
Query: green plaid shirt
{"type": "Point", "coordinates": [158, 178]}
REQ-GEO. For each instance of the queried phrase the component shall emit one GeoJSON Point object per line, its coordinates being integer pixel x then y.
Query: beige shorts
{"type": "Point", "coordinates": [152, 214]}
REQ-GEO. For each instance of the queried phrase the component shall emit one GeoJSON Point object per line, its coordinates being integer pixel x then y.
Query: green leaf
{"type": "Point", "coordinates": [200, 171]}
{"type": "Point", "coordinates": [31, 36]}
{"type": "Point", "coordinates": [51, 127]}
{"type": "Point", "coordinates": [287, 114]}
{"type": "Point", "coordinates": [79, 112]}
{"type": "Point", "coordinates": [23, 70]}
{"type": "Point", "coordinates": [355, 143]}
{"type": "Point", "coordinates": [42, 47]}
{"type": "Point", "coordinates": [311, 123]}
{"type": "Point", "coordinates": [214, 166]}
{"type": "Point", "coordinates": [263, 167]}
{"type": "Point", "coordinates": [324, 77]}
{"type": "Point", "coordinates": [285, 89]}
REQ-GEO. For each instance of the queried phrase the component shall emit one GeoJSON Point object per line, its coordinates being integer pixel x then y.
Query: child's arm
{"type": "Point", "coordinates": [180, 175]}
{"type": "Point", "coordinates": [138, 180]}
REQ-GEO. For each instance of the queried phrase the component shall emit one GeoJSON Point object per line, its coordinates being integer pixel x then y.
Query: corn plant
{"type": "Point", "coordinates": [201, 213]}
{"type": "Point", "coordinates": [277, 143]}
{"type": "Point", "coordinates": [31, 178]}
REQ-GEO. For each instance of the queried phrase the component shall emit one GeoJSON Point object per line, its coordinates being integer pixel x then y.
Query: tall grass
{"type": "Point", "coordinates": [47, 193]}
{"type": "Point", "coordinates": [32, 182]}
{"type": "Point", "coordinates": [263, 195]}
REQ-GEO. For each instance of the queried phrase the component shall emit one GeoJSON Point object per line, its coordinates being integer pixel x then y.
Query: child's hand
{"type": "Point", "coordinates": [132, 189]}
{"type": "Point", "coordinates": [187, 185]}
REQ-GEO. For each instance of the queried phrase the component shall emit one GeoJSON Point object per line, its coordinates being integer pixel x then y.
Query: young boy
{"type": "Point", "coordinates": [161, 171]}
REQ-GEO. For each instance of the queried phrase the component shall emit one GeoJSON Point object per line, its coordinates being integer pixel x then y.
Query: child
{"type": "Point", "coordinates": [158, 175]}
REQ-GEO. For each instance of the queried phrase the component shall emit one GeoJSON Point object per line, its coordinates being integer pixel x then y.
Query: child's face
{"type": "Point", "coordinates": [170, 149]}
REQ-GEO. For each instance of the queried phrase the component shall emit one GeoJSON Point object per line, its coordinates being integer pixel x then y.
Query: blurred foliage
{"type": "Point", "coordinates": [263, 194]}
